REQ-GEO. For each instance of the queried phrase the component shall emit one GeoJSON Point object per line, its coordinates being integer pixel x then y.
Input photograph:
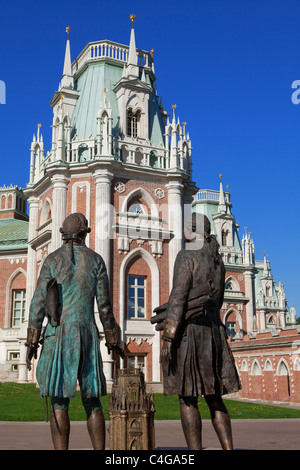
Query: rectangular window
{"type": "Point", "coordinates": [136, 297]}
{"type": "Point", "coordinates": [13, 355]}
{"type": "Point", "coordinates": [136, 362]}
{"type": "Point", "coordinates": [231, 330]}
{"type": "Point", "coordinates": [18, 307]}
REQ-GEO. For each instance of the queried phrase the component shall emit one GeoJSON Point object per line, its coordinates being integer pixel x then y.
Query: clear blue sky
{"type": "Point", "coordinates": [228, 65]}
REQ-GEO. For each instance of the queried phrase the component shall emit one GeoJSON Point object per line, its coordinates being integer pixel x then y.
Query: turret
{"type": "Point", "coordinates": [37, 153]}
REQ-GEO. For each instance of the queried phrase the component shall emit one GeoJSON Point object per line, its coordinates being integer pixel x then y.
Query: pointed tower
{"type": "Point", "coordinates": [37, 153]}
{"type": "Point", "coordinates": [132, 69]}
{"type": "Point", "coordinates": [108, 160]}
{"type": "Point", "coordinates": [67, 80]}
{"type": "Point", "coordinates": [63, 103]}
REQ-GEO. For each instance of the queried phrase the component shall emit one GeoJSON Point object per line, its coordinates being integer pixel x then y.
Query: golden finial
{"type": "Point", "coordinates": [68, 30]}
{"type": "Point", "coordinates": [39, 125]}
{"type": "Point", "coordinates": [133, 18]}
{"type": "Point", "coordinates": [227, 187]}
{"type": "Point", "coordinates": [184, 123]}
{"type": "Point", "coordinates": [152, 51]}
{"type": "Point", "coordinates": [174, 107]}
{"type": "Point", "coordinates": [220, 176]}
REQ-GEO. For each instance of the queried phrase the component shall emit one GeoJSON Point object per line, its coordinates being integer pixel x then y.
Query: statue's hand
{"type": "Point", "coordinates": [116, 348]}
{"type": "Point", "coordinates": [31, 352]}
{"type": "Point", "coordinates": [32, 344]}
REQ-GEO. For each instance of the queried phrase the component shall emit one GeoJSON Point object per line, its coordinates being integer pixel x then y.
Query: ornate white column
{"type": "Point", "coordinates": [103, 215]}
{"type": "Point", "coordinates": [262, 320]}
{"type": "Point", "coordinates": [249, 292]}
{"type": "Point", "coordinates": [30, 285]}
{"type": "Point", "coordinates": [175, 217]}
{"type": "Point", "coordinates": [59, 208]}
{"type": "Point", "coordinates": [103, 218]}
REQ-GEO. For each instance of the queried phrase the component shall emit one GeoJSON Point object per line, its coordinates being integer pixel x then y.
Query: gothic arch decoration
{"type": "Point", "coordinates": [239, 321]}
{"type": "Point", "coordinates": [168, 137]}
{"type": "Point", "coordinates": [55, 130]}
{"type": "Point", "coordinates": [155, 299]}
{"type": "Point", "coordinates": [244, 366]}
{"type": "Point", "coordinates": [82, 186]}
{"type": "Point", "coordinates": [282, 368]}
{"type": "Point", "coordinates": [232, 284]}
{"type": "Point", "coordinates": [297, 364]}
{"type": "Point", "coordinates": [154, 279]}
{"type": "Point", "coordinates": [225, 232]}
{"type": "Point", "coordinates": [67, 129]}
{"type": "Point", "coordinates": [3, 201]}
{"type": "Point", "coordinates": [46, 211]}
{"type": "Point", "coordinates": [268, 366]}
{"type": "Point", "coordinates": [255, 368]}
{"type": "Point", "coordinates": [8, 295]}
{"type": "Point", "coordinates": [271, 322]}
{"type": "Point", "coordinates": [140, 193]}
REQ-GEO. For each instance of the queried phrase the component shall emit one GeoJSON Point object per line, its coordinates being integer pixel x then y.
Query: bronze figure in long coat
{"type": "Point", "coordinates": [70, 281]}
{"type": "Point", "coordinates": [196, 357]}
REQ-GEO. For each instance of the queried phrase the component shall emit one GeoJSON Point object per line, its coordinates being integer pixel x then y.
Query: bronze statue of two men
{"type": "Point", "coordinates": [195, 354]}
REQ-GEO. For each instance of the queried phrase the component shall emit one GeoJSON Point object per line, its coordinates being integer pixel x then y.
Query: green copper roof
{"type": "Point", "coordinates": [13, 234]}
{"type": "Point", "coordinates": [209, 207]}
{"type": "Point", "coordinates": [90, 86]}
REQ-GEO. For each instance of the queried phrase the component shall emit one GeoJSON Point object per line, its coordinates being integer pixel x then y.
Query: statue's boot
{"type": "Point", "coordinates": [60, 429]}
{"type": "Point", "coordinates": [220, 420]}
{"type": "Point", "coordinates": [191, 425]}
{"type": "Point", "coordinates": [96, 429]}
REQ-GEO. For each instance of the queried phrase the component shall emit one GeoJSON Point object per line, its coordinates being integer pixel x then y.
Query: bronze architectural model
{"type": "Point", "coordinates": [131, 412]}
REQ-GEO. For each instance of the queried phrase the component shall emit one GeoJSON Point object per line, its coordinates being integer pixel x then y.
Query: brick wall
{"type": "Point", "coordinates": [273, 366]}
{"type": "Point", "coordinates": [7, 268]}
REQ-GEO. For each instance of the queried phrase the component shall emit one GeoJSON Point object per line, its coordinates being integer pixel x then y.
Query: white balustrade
{"type": "Point", "coordinates": [112, 50]}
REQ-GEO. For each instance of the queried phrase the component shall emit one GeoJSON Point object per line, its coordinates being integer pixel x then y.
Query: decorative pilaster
{"type": "Point", "coordinates": [175, 218]}
{"type": "Point", "coordinates": [102, 243]}
{"type": "Point", "coordinates": [250, 294]}
{"type": "Point", "coordinates": [103, 215]}
{"type": "Point", "coordinates": [59, 209]}
{"type": "Point", "coordinates": [30, 285]}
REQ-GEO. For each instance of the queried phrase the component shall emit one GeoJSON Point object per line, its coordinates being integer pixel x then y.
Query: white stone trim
{"type": "Point", "coordinates": [155, 283]}
{"type": "Point", "coordinates": [8, 299]}
{"type": "Point", "coordinates": [75, 186]}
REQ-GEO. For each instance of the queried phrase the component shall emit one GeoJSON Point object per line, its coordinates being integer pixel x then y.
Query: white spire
{"type": "Point", "coordinates": [132, 58]}
{"type": "Point", "coordinates": [222, 204]}
{"type": "Point", "coordinates": [67, 78]}
{"type": "Point", "coordinates": [132, 66]}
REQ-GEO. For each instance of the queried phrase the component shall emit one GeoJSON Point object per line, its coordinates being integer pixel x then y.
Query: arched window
{"type": "Point", "coordinates": [224, 237]}
{"type": "Point", "coordinates": [133, 122]}
{"type": "Point", "coordinates": [136, 208]}
{"type": "Point", "coordinates": [255, 369]}
{"type": "Point", "coordinates": [271, 321]}
{"type": "Point", "coordinates": [268, 365]}
{"type": "Point", "coordinates": [282, 368]}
